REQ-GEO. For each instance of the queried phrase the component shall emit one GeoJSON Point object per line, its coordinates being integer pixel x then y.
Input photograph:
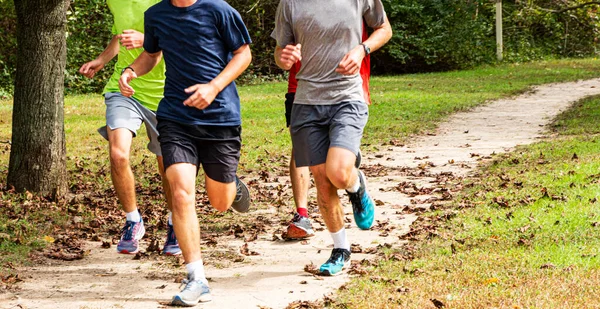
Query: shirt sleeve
{"type": "Point", "coordinates": [283, 32]}
{"type": "Point", "coordinates": [373, 13]}
{"type": "Point", "coordinates": [150, 40]}
{"type": "Point", "coordinates": [233, 30]}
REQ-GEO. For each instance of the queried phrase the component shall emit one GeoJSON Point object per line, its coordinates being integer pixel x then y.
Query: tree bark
{"type": "Point", "coordinates": [38, 152]}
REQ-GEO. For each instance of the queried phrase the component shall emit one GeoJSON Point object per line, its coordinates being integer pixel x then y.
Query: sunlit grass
{"type": "Point", "coordinates": [403, 106]}
{"type": "Point", "coordinates": [536, 248]}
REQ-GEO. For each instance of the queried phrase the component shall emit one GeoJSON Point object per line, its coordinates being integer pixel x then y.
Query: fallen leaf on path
{"type": "Point", "coordinates": [246, 251]}
{"type": "Point", "coordinates": [437, 303]}
{"type": "Point", "coordinates": [311, 269]}
{"type": "Point", "coordinates": [305, 304]}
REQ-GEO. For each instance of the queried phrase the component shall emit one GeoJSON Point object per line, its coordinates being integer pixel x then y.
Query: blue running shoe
{"type": "Point", "coordinates": [195, 291]}
{"type": "Point", "coordinates": [130, 236]}
{"type": "Point", "coordinates": [363, 205]}
{"type": "Point", "coordinates": [171, 245]}
{"type": "Point", "coordinates": [338, 259]}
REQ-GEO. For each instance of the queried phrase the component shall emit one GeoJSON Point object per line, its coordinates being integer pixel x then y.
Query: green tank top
{"type": "Point", "coordinates": [129, 14]}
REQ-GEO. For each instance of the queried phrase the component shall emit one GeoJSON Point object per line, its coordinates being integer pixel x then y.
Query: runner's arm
{"type": "Point", "coordinates": [350, 64]}
{"type": "Point", "coordinates": [380, 36]}
{"type": "Point", "coordinates": [89, 69]}
{"type": "Point", "coordinates": [144, 63]}
{"type": "Point", "coordinates": [287, 56]}
{"type": "Point", "coordinates": [202, 95]}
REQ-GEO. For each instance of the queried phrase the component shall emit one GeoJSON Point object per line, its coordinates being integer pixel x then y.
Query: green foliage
{"type": "Point", "coordinates": [8, 47]}
{"type": "Point", "coordinates": [89, 24]}
{"type": "Point", "coordinates": [429, 35]}
{"type": "Point", "coordinates": [434, 35]}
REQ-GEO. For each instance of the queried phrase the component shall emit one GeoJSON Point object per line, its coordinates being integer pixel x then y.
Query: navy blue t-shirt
{"type": "Point", "coordinates": [197, 43]}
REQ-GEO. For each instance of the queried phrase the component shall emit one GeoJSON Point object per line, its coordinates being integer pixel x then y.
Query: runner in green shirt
{"type": "Point", "coordinates": [125, 115]}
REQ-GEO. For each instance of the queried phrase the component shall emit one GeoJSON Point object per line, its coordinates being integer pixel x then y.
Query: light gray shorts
{"type": "Point", "coordinates": [128, 113]}
{"type": "Point", "coordinates": [316, 128]}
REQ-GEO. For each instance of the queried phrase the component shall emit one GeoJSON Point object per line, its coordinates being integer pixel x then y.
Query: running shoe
{"type": "Point", "coordinates": [171, 245]}
{"type": "Point", "coordinates": [241, 203]}
{"type": "Point", "coordinates": [131, 234]}
{"type": "Point", "coordinates": [338, 259]}
{"type": "Point", "coordinates": [363, 205]}
{"type": "Point", "coordinates": [194, 292]}
{"type": "Point", "coordinates": [299, 228]}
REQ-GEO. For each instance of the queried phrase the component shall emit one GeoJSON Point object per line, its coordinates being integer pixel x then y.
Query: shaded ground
{"type": "Point", "coordinates": [402, 179]}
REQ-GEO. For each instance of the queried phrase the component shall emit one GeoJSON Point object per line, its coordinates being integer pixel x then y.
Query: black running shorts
{"type": "Point", "coordinates": [216, 148]}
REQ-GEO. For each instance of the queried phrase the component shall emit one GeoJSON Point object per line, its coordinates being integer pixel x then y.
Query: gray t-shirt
{"type": "Point", "coordinates": [327, 30]}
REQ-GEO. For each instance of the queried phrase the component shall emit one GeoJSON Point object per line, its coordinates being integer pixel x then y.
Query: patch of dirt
{"type": "Point", "coordinates": [247, 262]}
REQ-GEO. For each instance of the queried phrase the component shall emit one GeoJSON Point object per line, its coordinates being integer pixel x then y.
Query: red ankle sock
{"type": "Point", "coordinates": [303, 212]}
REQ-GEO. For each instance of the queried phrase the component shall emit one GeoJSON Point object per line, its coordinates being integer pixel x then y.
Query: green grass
{"type": "Point", "coordinates": [529, 239]}
{"type": "Point", "coordinates": [402, 106]}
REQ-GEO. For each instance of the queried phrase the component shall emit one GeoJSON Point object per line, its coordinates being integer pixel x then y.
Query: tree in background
{"type": "Point", "coordinates": [38, 153]}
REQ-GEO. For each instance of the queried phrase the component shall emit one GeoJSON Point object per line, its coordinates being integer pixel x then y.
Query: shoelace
{"type": "Point", "coordinates": [188, 284]}
{"type": "Point", "coordinates": [336, 256]}
{"type": "Point", "coordinates": [127, 230]}
{"type": "Point", "coordinates": [184, 282]}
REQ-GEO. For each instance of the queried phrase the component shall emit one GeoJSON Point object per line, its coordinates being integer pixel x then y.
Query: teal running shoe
{"type": "Point", "coordinates": [338, 259]}
{"type": "Point", "coordinates": [363, 205]}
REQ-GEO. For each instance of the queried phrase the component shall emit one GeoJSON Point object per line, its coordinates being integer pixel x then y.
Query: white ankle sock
{"type": "Point", "coordinates": [133, 216]}
{"type": "Point", "coordinates": [339, 240]}
{"type": "Point", "coordinates": [196, 269]}
{"type": "Point", "coordinates": [354, 188]}
{"type": "Point", "coordinates": [170, 218]}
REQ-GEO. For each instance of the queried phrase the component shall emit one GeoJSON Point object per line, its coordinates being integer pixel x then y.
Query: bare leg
{"type": "Point", "coordinates": [182, 182]}
{"type": "Point", "coordinates": [340, 167]}
{"type": "Point", "coordinates": [121, 174]}
{"type": "Point", "coordinates": [300, 178]}
{"type": "Point", "coordinates": [220, 195]}
{"type": "Point", "coordinates": [165, 182]}
{"type": "Point", "coordinates": [328, 199]}
{"type": "Point", "coordinates": [300, 227]}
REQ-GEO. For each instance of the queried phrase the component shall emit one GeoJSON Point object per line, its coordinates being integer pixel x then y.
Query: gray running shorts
{"type": "Point", "coordinates": [316, 128]}
{"type": "Point", "coordinates": [128, 113]}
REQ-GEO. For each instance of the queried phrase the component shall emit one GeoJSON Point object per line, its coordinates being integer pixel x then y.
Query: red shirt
{"type": "Point", "coordinates": [365, 72]}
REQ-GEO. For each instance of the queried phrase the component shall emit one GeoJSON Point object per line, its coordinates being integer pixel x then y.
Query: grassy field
{"type": "Point", "coordinates": [525, 233]}
{"type": "Point", "coordinates": [403, 106]}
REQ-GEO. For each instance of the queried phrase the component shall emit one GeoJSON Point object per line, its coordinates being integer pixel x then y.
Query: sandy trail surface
{"type": "Point", "coordinates": [276, 277]}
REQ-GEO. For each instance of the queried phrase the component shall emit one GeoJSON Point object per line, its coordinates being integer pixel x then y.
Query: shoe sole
{"type": "Point", "coordinates": [295, 233]}
{"type": "Point", "coordinates": [128, 252]}
{"type": "Point", "coordinates": [179, 302]}
{"type": "Point", "coordinates": [172, 254]}
{"type": "Point", "coordinates": [243, 205]}
{"type": "Point", "coordinates": [358, 160]}
{"type": "Point", "coordinates": [326, 273]}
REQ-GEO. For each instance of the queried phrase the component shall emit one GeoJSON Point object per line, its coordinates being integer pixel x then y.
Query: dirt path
{"type": "Point", "coordinates": [276, 277]}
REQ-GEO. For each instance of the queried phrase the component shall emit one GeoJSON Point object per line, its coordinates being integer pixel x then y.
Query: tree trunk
{"type": "Point", "coordinates": [38, 153]}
